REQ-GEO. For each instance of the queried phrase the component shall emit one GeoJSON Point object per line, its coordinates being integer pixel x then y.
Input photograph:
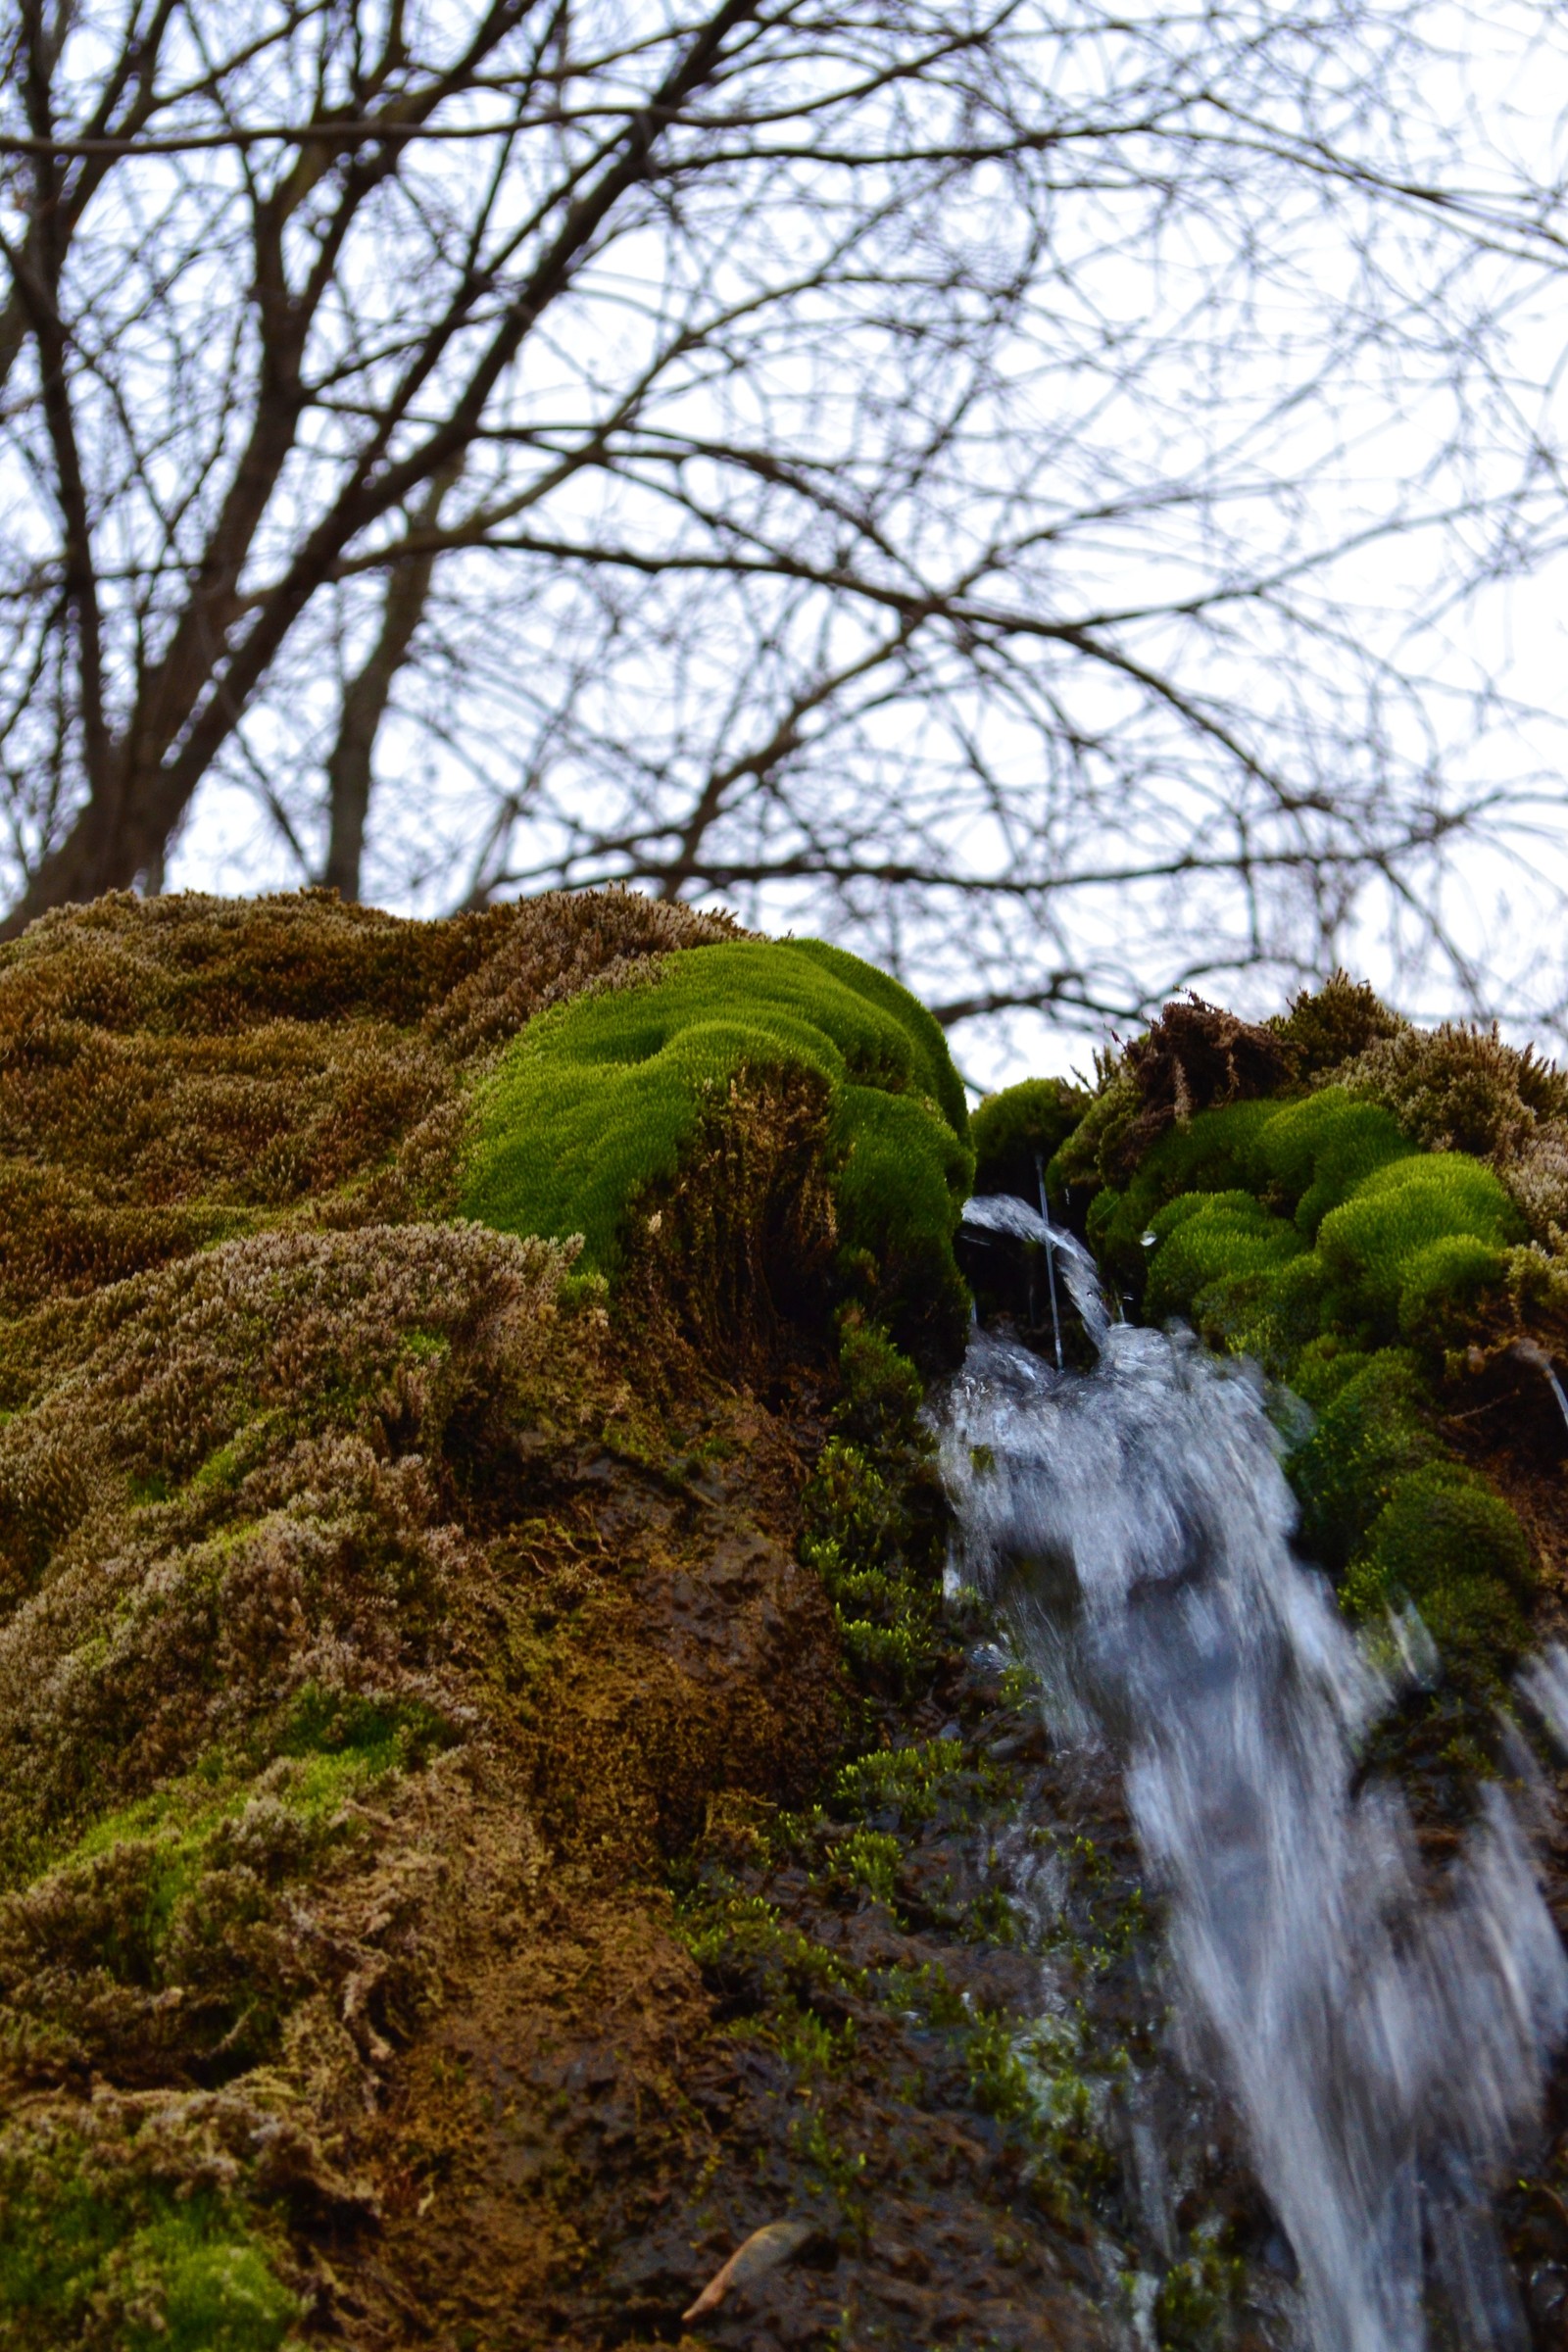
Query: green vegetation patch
{"type": "Point", "coordinates": [592, 1106]}
{"type": "Point", "coordinates": [1314, 1233]}
{"type": "Point", "coordinates": [1445, 1541]}
{"type": "Point", "coordinates": [92, 2252]}
{"type": "Point", "coordinates": [1019, 1130]}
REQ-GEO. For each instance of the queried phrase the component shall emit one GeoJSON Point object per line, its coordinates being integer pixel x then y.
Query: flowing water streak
{"type": "Point", "coordinates": [1384, 2052]}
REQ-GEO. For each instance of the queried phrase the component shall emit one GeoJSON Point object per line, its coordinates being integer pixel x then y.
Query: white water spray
{"type": "Point", "coordinates": [1384, 2051]}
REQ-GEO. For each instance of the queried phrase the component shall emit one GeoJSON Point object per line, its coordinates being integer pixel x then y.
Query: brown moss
{"type": "Point", "coordinates": [362, 1600]}
{"type": "Point", "coordinates": [1459, 1087]}
{"type": "Point", "coordinates": [175, 1069]}
{"type": "Point", "coordinates": [1195, 1057]}
{"type": "Point", "coordinates": [1326, 1027]}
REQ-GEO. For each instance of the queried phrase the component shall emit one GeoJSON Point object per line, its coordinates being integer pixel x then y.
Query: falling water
{"type": "Point", "coordinates": [1384, 2051]}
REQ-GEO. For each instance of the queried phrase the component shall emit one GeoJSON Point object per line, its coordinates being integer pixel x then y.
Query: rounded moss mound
{"type": "Point", "coordinates": [593, 1105]}
{"type": "Point", "coordinates": [1327, 1225]}
{"type": "Point", "coordinates": [1444, 1541]}
{"type": "Point", "coordinates": [1319, 1149]}
{"type": "Point", "coordinates": [1019, 1130]}
{"type": "Point", "coordinates": [1370, 1434]}
{"type": "Point", "coordinates": [1381, 1239]}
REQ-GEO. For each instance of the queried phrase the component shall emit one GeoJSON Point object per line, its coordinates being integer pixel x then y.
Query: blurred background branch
{"type": "Point", "coordinates": [1017, 491]}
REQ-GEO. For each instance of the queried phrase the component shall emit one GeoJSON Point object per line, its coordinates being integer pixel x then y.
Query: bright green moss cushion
{"type": "Point", "coordinates": [1373, 1241]}
{"type": "Point", "coordinates": [1209, 1240]}
{"type": "Point", "coordinates": [1319, 1149]}
{"type": "Point", "coordinates": [1019, 1130]}
{"type": "Point", "coordinates": [593, 1102]}
{"type": "Point", "coordinates": [1447, 1541]}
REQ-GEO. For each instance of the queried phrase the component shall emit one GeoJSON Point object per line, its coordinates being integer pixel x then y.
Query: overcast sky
{"type": "Point", "coordinates": [1505, 909]}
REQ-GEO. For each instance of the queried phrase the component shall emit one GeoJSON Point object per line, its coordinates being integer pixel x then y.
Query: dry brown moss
{"type": "Point", "coordinates": [172, 1070]}
{"type": "Point", "coordinates": [358, 1604]}
{"type": "Point", "coordinates": [1459, 1087]}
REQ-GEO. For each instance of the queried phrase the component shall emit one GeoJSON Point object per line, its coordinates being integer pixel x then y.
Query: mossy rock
{"type": "Point", "coordinates": [592, 1108]}
{"type": "Point", "coordinates": [1019, 1132]}
{"type": "Point", "coordinates": [1338, 1238]}
{"type": "Point", "coordinates": [1447, 1541]}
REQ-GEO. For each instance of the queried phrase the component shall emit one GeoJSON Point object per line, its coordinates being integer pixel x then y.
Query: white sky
{"type": "Point", "coordinates": [1505, 909]}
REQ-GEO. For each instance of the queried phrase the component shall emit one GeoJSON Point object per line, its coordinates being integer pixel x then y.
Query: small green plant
{"type": "Point", "coordinates": [910, 1782]}
{"type": "Point", "coordinates": [148, 2269]}
{"type": "Point", "coordinates": [1194, 2299]}
{"type": "Point", "coordinates": [869, 1859]}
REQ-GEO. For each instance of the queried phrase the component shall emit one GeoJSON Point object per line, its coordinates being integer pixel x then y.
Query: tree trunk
{"type": "Point", "coordinates": [350, 773]}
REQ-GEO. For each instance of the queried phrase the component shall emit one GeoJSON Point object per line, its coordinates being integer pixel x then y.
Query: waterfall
{"type": "Point", "coordinates": [1384, 2049]}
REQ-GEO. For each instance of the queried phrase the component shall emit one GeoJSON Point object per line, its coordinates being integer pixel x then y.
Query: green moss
{"type": "Point", "coordinates": [858, 1537]}
{"type": "Point", "coordinates": [869, 1859]}
{"type": "Point", "coordinates": [1019, 1130]}
{"type": "Point", "coordinates": [1446, 1540]}
{"type": "Point", "coordinates": [1312, 1234]}
{"type": "Point", "coordinates": [378, 1735]}
{"type": "Point", "coordinates": [1316, 1151]}
{"type": "Point", "coordinates": [1209, 1154]}
{"type": "Point", "coordinates": [1370, 1434]}
{"type": "Point", "coordinates": [1443, 1290]}
{"type": "Point", "coordinates": [1370, 1243]}
{"type": "Point", "coordinates": [87, 2253]}
{"type": "Point", "coordinates": [594, 1102]}
{"type": "Point", "coordinates": [1216, 1245]}
{"type": "Point", "coordinates": [1195, 2299]}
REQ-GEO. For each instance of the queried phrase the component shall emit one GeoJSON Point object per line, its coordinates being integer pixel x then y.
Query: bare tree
{"type": "Point", "coordinates": [884, 463]}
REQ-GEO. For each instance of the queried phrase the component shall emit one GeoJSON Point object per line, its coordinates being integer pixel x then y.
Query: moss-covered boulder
{"type": "Point", "coordinates": [451, 1892]}
{"type": "Point", "coordinates": [1373, 1218]}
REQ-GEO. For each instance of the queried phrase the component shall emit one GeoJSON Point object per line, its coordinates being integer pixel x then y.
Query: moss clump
{"type": "Point", "coordinates": [902, 1783]}
{"type": "Point", "coordinates": [1319, 1150]}
{"type": "Point", "coordinates": [1214, 1253]}
{"type": "Point", "coordinates": [1019, 1132]}
{"type": "Point", "coordinates": [1371, 1430]}
{"type": "Point", "coordinates": [862, 1540]}
{"type": "Point", "coordinates": [1339, 1236]}
{"type": "Point", "coordinates": [1208, 1153]}
{"type": "Point", "coordinates": [1195, 2297]}
{"type": "Point", "coordinates": [1444, 1541]}
{"type": "Point", "coordinates": [1380, 1241]}
{"type": "Point", "coordinates": [95, 2254]}
{"type": "Point", "coordinates": [1325, 1027]}
{"type": "Point", "coordinates": [592, 1108]}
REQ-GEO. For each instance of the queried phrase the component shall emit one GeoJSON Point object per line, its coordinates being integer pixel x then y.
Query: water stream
{"type": "Point", "coordinates": [1383, 2049]}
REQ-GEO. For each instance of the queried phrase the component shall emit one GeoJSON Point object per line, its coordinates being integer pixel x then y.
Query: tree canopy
{"type": "Point", "coordinates": [995, 483]}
